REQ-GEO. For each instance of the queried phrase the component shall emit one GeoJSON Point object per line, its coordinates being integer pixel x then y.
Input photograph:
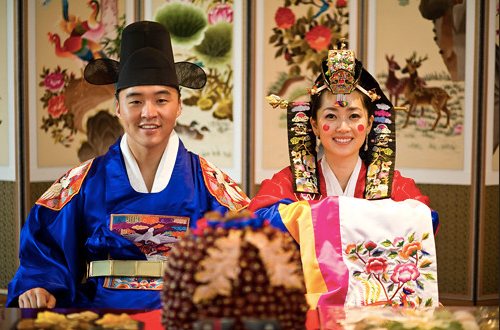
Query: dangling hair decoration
{"type": "Point", "coordinates": [301, 145]}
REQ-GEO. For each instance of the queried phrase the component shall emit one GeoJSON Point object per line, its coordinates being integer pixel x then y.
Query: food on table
{"type": "Point", "coordinates": [237, 268]}
{"type": "Point", "coordinates": [49, 320]}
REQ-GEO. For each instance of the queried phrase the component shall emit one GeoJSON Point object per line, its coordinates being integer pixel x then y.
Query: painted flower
{"type": "Point", "coordinates": [284, 18]}
{"type": "Point", "coordinates": [397, 241]}
{"type": "Point", "coordinates": [221, 12]}
{"type": "Point", "coordinates": [54, 81]}
{"type": "Point", "coordinates": [405, 272]}
{"type": "Point", "coordinates": [409, 249]}
{"type": "Point", "coordinates": [56, 106]}
{"type": "Point", "coordinates": [376, 266]}
{"type": "Point", "coordinates": [319, 37]}
{"type": "Point", "coordinates": [350, 248]}
{"type": "Point", "coordinates": [370, 246]}
{"type": "Point", "coordinates": [421, 123]}
{"type": "Point", "coordinates": [341, 3]}
{"type": "Point", "coordinates": [458, 129]}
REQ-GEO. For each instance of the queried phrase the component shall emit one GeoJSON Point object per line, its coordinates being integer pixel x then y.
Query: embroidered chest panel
{"type": "Point", "coordinates": [154, 235]}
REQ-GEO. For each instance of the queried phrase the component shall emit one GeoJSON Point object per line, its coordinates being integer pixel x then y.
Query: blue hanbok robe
{"type": "Point", "coordinates": [63, 233]}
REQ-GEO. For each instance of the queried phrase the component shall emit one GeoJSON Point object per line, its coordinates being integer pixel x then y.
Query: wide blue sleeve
{"type": "Point", "coordinates": [272, 214]}
{"type": "Point", "coordinates": [50, 254]}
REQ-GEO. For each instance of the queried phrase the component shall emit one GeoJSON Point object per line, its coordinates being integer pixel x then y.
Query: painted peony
{"type": "Point", "coordinates": [56, 106]}
{"type": "Point", "coordinates": [405, 272]}
{"type": "Point", "coordinates": [341, 3]}
{"type": "Point", "coordinates": [54, 81]}
{"type": "Point", "coordinates": [319, 37]}
{"type": "Point", "coordinates": [284, 18]}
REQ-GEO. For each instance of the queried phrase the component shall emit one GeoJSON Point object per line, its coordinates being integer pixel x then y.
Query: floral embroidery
{"type": "Point", "coordinates": [284, 18]}
{"type": "Point", "coordinates": [393, 271]}
{"type": "Point", "coordinates": [304, 33]}
{"type": "Point", "coordinates": [318, 38]}
{"type": "Point", "coordinates": [379, 171]}
{"type": "Point", "coordinates": [59, 118]}
{"type": "Point", "coordinates": [301, 148]}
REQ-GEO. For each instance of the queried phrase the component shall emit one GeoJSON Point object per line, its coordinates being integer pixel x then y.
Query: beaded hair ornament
{"type": "Point", "coordinates": [340, 76]}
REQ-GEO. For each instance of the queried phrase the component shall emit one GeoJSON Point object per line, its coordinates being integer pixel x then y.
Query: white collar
{"type": "Point", "coordinates": [164, 171]}
{"type": "Point", "coordinates": [333, 187]}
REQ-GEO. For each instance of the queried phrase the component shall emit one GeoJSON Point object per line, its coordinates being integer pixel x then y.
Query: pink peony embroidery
{"type": "Point", "coordinates": [397, 241]}
{"type": "Point", "coordinates": [405, 272]}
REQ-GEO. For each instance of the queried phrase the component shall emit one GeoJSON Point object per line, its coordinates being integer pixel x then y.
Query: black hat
{"type": "Point", "coordinates": [146, 58]}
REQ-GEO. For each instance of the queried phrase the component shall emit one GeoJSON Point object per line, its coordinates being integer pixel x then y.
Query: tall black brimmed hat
{"type": "Point", "coordinates": [146, 58]}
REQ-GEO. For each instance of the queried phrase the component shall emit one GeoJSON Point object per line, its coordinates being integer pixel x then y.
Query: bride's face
{"type": "Point", "coordinates": [342, 129]}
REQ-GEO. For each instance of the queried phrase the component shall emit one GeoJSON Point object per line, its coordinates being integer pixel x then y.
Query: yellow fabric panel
{"type": "Point", "coordinates": [298, 220]}
{"type": "Point", "coordinates": [312, 299]}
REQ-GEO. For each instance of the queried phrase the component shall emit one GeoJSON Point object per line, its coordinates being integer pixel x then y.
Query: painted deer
{"type": "Point", "coordinates": [394, 85]}
{"type": "Point", "coordinates": [415, 94]}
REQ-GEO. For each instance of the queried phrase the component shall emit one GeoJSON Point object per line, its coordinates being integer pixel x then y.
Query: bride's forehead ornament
{"type": "Point", "coordinates": [340, 77]}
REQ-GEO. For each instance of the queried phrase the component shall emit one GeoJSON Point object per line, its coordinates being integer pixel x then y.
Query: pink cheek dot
{"type": "Point", "coordinates": [326, 128]}
{"type": "Point", "coordinates": [361, 128]}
